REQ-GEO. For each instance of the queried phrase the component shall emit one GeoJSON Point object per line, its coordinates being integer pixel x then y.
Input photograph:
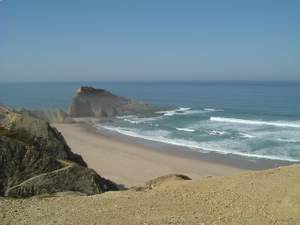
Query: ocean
{"type": "Point", "coordinates": [250, 118]}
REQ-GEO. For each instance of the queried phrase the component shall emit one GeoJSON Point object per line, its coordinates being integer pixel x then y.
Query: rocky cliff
{"type": "Point", "coordinates": [35, 159]}
{"type": "Point", "coordinates": [91, 102]}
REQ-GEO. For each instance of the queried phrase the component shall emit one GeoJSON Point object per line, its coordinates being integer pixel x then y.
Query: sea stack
{"type": "Point", "coordinates": [92, 102]}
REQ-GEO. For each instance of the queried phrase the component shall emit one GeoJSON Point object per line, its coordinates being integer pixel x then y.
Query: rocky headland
{"type": "Point", "coordinates": [35, 160]}
{"type": "Point", "coordinates": [100, 103]}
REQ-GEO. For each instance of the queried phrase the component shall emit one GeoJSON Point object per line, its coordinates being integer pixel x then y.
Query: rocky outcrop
{"type": "Point", "coordinates": [35, 159]}
{"type": "Point", "coordinates": [3, 112]}
{"type": "Point", "coordinates": [91, 102]}
{"type": "Point", "coordinates": [70, 177]}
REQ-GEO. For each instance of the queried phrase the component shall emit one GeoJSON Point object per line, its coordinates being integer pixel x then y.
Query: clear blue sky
{"type": "Point", "coordinates": [68, 40]}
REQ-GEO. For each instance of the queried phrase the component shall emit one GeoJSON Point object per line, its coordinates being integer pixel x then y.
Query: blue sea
{"type": "Point", "coordinates": [250, 118]}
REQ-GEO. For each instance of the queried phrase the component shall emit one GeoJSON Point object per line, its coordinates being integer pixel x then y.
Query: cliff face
{"type": "Point", "coordinates": [35, 159]}
{"type": "Point", "coordinates": [91, 102]}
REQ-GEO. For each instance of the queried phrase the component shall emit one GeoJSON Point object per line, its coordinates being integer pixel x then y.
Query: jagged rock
{"type": "Point", "coordinates": [20, 161]}
{"type": "Point", "coordinates": [91, 102]}
{"type": "Point", "coordinates": [71, 177]}
{"type": "Point", "coordinates": [34, 131]}
{"type": "Point", "coordinates": [35, 159]}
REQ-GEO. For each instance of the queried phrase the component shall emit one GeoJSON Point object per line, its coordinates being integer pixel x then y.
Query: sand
{"type": "Point", "coordinates": [230, 197]}
{"type": "Point", "coordinates": [253, 198]}
{"type": "Point", "coordinates": [128, 163]}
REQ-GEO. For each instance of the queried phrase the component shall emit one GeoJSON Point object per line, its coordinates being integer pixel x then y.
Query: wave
{"type": "Point", "coordinates": [288, 140]}
{"type": "Point", "coordinates": [180, 111]}
{"type": "Point", "coordinates": [216, 133]}
{"type": "Point", "coordinates": [196, 146]}
{"type": "Point", "coordinates": [185, 129]}
{"type": "Point", "coordinates": [137, 120]}
{"type": "Point", "coordinates": [256, 122]}
{"type": "Point", "coordinates": [213, 110]}
{"type": "Point", "coordinates": [167, 113]}
{"type": "Point", "coordinates": [244, 135]}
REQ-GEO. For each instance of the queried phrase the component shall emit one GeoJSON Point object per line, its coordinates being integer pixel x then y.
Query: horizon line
{"type": "Point", "coordinates": [150, 81]}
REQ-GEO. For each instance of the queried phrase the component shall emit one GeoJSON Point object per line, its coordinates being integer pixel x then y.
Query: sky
{"type": "Point", "coordinates": [97, 40]}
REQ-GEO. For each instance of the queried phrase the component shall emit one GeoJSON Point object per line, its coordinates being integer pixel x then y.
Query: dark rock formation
{"type": "Point", "coordinates": [91, 102]}
{"type": "Point", "coordinates": [70, 177]}
{"type": "Point", "coordinates": [35, 159]}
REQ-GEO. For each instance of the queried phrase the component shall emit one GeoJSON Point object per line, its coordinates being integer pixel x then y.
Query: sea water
{"type": "Point", "coordinates": [249, 118]}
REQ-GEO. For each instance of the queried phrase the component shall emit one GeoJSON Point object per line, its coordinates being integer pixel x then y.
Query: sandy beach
{"type": "Point", "coordinates": [131, 164]}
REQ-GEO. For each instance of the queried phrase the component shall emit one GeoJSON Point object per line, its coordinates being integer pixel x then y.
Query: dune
{"type": "Point", "coordinates": [265, 197]}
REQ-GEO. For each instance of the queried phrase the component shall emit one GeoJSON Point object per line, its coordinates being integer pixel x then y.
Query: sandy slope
{"type": "Point", "coordinates": [133, 164]}
{"type": "Point", "coordinates": [256, 198]}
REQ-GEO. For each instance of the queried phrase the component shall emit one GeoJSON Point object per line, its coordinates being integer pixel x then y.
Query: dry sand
{"type": "Point", "coordinates": [129, 163]}
{"type": "Point", "coordinates": [253, 198]}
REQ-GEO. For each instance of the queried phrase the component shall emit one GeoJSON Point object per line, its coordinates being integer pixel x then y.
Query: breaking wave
{"type": "Point", "coordinates": [185, 129]}
{"type": "Point", "coordinates": [180, 111]}
{"type": "Point", "coordinates": [161, 136]}
{"type": "Point", "coordinates": [137, 120]}
{"type": "Point", "coordinates": [213, 110]}
{"type": "Point", "coordinates": [216, 132]}
{"type": "Point", "coordinates": [256, 122]}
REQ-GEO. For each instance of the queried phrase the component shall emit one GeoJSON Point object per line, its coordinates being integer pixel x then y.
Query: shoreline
{"type": "Point", "coordinates": [131, 161]}
{"type": "Point", "coordinates": [233, 160]}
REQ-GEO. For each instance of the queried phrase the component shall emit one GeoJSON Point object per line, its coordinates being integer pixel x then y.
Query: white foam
{"type": "Point", "coordinates": [244, 135]}
{"type": "Point", "coordinates": [167, 113]}
{"type": "Point", "coordinates": [213, 110]}
{"type": "Point", "coordinates": [137, 120]}
{"type": "Point", "coordinates": [288, 140]}
{"type": "Point", "coordinates": [216, 133]}
{"type": "Point", "coordinates": [190, 112]}
{"type": "Point", "coordinates": [185, 129]}
{"type": "Point", "coordinates": [180, 111]}
{"type": "Point", "coordinates": [256, 122]}
{"type": "Point", "coordinates": [161, 137]}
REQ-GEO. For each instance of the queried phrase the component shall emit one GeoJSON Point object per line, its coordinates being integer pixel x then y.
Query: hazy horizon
{"type": "Point", "coordinates": [90, 82]}
{"type": "Point", "coordinates": [80, 41]}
